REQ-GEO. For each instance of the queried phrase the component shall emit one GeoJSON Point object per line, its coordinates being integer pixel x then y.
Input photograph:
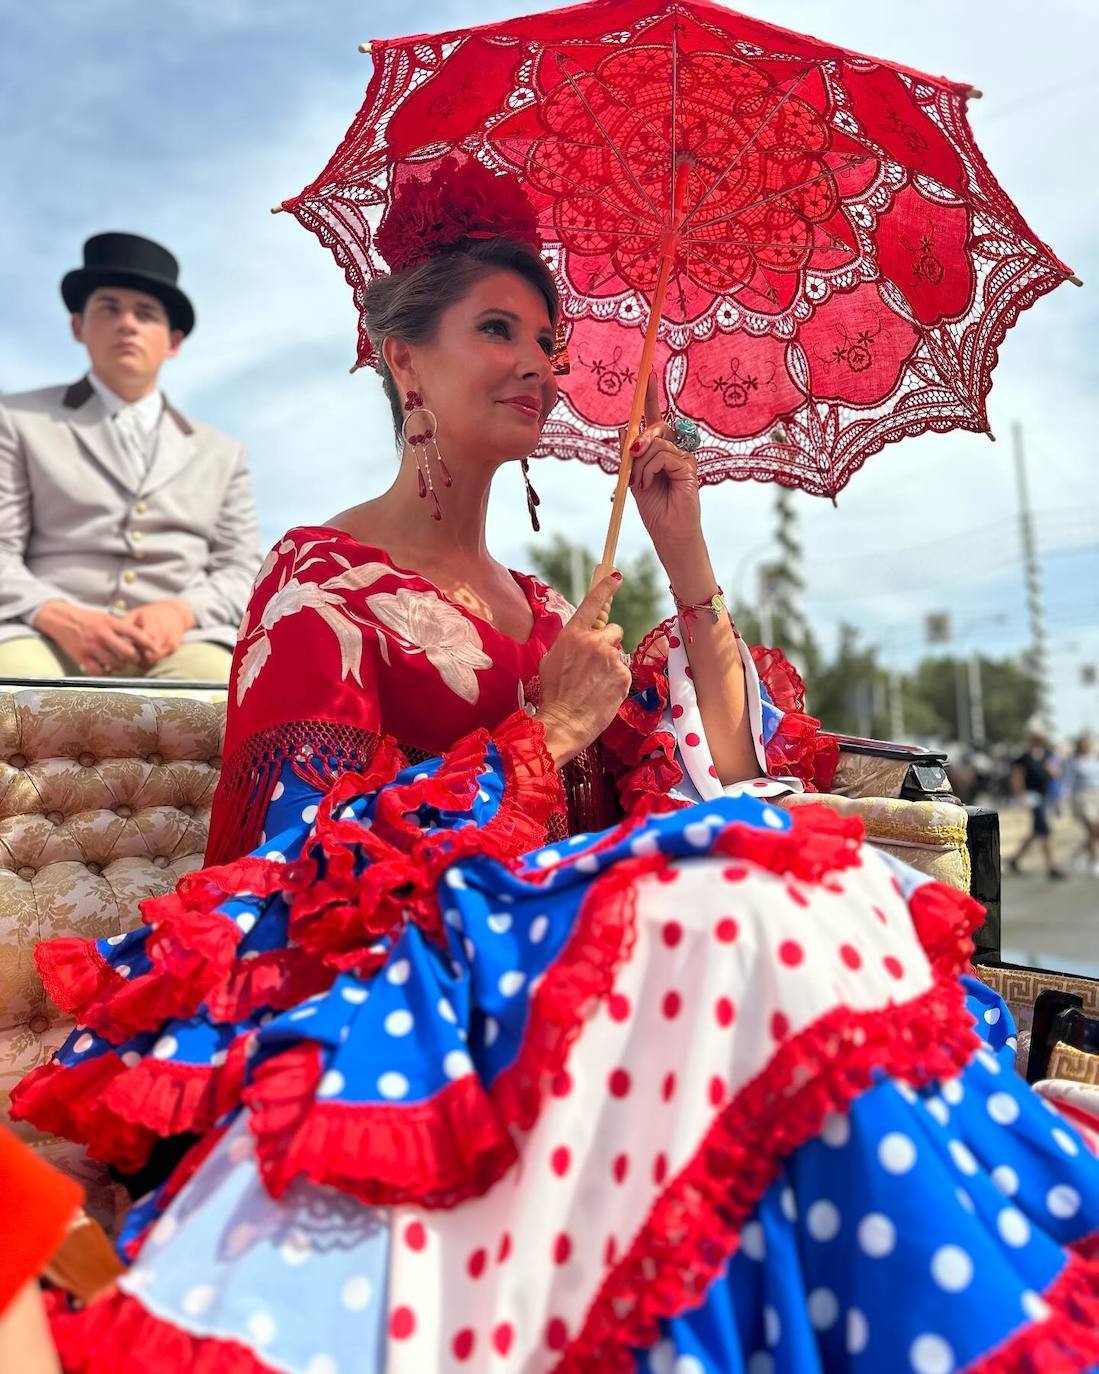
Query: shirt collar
{"type": "Point", "coordinates": [148, 409]}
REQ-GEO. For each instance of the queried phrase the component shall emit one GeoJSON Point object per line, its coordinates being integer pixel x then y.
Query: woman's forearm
{"type": "Point", "coordinates": [716, 667]}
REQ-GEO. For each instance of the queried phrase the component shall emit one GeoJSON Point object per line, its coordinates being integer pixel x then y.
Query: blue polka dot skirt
{"type": "Point", "coordinates": [709, 1093]}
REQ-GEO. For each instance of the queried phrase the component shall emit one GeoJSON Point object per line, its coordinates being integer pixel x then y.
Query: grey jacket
{"type": "Point", "coordinates": [74, 526]}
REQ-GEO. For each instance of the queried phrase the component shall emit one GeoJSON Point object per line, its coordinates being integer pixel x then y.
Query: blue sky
{"type": "Point", "coordinates": [186, 120]}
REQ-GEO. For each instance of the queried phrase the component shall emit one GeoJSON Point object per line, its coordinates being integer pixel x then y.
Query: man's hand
{"type": "Point", "coordinates": [163, 624]}
{"type": "Point", "coordinates": [99, 643]}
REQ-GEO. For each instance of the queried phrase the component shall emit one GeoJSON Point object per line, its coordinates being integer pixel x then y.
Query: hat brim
{"type": "Point", "coordinates": [78, 285]}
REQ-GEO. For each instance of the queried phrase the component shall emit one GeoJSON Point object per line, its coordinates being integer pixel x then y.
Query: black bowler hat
{"type": "Point", "coordinates": [129, 260]}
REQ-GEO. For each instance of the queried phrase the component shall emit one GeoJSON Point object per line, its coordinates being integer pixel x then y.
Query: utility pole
{"type": "Point", "coordinates": [976, 702]}
{"type": "Point", "coordinates": [787, 582]}
{"type": "Point", "coordinates": [1038, 654]}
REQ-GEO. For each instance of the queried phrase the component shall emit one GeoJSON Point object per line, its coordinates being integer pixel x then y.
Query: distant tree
{"type": "Point", "coordinates": [850, 693]}
{"type": "Point", "coordinates": [640, 603]}
{"type": "Point", "coordinates": [1008, 690]}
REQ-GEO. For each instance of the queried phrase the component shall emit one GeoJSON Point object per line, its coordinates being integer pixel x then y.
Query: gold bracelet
{"type": "Point", "coordinates": [688, 610]}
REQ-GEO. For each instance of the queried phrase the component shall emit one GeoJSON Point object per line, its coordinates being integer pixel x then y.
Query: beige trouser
{"type": "Point", "coordinates": [35, 656]}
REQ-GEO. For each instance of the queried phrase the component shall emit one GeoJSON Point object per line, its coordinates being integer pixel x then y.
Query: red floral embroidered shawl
{"type": "Point", "coordinates": [340, 648]}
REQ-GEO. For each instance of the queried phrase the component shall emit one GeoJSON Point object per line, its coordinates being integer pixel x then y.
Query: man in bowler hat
{"type": "Point", "coordinates": [128, 539]}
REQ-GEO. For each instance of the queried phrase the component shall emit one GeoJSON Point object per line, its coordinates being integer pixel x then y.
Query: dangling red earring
{"type": "Point", "coordinates": [422, 442]}
{"type": "Point", "coordinates": [533, 499]}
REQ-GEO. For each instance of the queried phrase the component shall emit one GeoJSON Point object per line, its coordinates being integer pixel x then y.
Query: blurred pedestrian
{"type": "Point", "coordinates": [1082, 786]}
{"type": "Point", "coordinates": [1032, 777]}
{"type": "Point", "coordinates": [128, 539]}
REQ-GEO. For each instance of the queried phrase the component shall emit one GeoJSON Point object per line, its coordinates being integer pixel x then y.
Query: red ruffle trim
{"type": "Point", "coordinates": [340, 915]}
{"type": "Point", "coordinates": [1067, 1340]}
{"type": "Point", "coordinates": [642, 755]}
{"type": "Point", "coordinates": [459, 1143]}
{"type": "Point", "coordinates": [435, 1153]}
{"type": "Point", "coordinates": [694, 1226]}
{"type": "Point", "coordinates": [192, 947]}
{"type": "Point", "coordinates": [117, 1111]}
{"type": "Point", "coordinates": [71, 1102]}
{"type": "Point", "coordinates": [798, 748]}
{"type": "Point", "coordinates": [645, 754]}
{"type": "Point", "coordinates": [117, 1335]}
{"type": "Point", "coordinates": [818, 841]}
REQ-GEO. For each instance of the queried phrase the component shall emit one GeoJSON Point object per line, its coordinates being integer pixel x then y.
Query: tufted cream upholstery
{"type": "Point", "coordinates": [104, 800]}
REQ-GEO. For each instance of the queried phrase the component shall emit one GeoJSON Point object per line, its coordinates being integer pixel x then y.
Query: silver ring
{"type": "Point", "coordinates": [624, 656]}
{"type": "Point", "coordinates": [688, 436]}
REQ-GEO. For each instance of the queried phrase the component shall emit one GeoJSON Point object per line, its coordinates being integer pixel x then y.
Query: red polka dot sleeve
{"type": "Point", "coordinates": [654, 721]}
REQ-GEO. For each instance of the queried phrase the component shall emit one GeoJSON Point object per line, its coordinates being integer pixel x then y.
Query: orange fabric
{"type": "Point", "coordinates": [36, 1205]}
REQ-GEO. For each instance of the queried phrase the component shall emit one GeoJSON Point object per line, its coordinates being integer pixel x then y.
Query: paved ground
{"type": "Point", "coordinates": [1050, 924]}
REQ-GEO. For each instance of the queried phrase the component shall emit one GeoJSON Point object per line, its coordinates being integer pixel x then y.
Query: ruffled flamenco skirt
{"type": "Point", "coordinates": [708, 1093]}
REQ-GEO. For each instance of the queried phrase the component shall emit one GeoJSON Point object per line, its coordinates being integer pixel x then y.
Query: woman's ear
{"type": "Point", "coordinates": [399, 360]}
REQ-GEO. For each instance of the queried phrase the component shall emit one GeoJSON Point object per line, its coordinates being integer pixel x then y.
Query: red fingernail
{"type": "Point", "coordinates": [616, 576]}
{"type": "Point", "coordinates": [635, 447]}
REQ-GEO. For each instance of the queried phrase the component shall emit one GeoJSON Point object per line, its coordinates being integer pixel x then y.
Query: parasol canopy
{"type": "Point", "coordinates": [839, 265]}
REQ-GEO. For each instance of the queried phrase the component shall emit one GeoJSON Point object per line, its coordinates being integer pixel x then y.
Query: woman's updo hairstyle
{"type": "Point", "coordinates": [407, 305]}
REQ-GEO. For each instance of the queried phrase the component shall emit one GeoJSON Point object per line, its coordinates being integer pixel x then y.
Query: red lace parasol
{"type": "Point", "coordinates": [840, 264]}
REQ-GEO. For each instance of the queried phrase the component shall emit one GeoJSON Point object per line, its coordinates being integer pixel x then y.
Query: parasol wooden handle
{"type": "Point", "coordinates": [637, 410]}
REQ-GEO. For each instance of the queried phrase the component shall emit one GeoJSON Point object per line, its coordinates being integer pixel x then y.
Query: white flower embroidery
{"type": "Point", "coordinates": [449, 640]}
{"type": "Point", "coordinates": [556, 602]}
{"type": "Point", "coordinates": [255, 656]}
{"type": "Point", "coordinates": [326, 598]}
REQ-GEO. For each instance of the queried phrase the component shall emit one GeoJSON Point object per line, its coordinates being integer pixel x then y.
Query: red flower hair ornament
{"type": "Point", "coordinates": [457, 202]}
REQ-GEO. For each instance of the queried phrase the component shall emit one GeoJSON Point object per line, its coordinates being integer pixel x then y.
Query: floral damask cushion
{"type": "Point", "coordinates": [104, 801]}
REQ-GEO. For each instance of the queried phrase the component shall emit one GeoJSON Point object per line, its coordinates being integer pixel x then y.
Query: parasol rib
{"type": "Point", "coordinates": [610, 141]}
{"type": "Point", "coordinates": [650, 226]}
{"type": "Point", "coordinates": [850, 160]}
{"type": "Point", "coordinates": [744, 148]}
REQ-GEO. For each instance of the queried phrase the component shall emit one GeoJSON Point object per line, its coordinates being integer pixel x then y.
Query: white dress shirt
{"type": "Point", "coordinates": [136, 424]}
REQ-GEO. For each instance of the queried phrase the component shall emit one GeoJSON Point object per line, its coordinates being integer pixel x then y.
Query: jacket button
{"type": "Point", "coordinates": [39, 1024]}
{"type": "Point", "coordinates": [124, 811]}
{"type": "Point", "coordinates": [120, 605]}
{"type": "Point", "coordinates": [136, 536]}
{"type": "Point", "coordinates": [140, 508]}
{"type": "Point", "coordinates": [129, 575]}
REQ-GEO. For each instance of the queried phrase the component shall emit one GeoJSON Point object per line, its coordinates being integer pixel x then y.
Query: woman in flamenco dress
{"type": "Point", "coordinates": [517, 1024]}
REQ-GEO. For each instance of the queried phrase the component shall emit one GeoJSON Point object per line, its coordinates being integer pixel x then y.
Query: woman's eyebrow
{"type": "Point", "coordinates": [511, 315]}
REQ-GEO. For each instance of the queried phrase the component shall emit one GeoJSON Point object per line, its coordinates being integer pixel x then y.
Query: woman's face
{"type": "Point", "coordinates": [486, 375]}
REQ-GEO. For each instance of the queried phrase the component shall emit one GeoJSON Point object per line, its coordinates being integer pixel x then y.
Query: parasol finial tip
{"type": "Point", "coordinates": [974, 94]}
{"type": "Point", "coordinates": [365, 47]}
{"type": "Point", "coordinates": [1076, 281]}
{"type": "Point", "coordinates": [278, 209]}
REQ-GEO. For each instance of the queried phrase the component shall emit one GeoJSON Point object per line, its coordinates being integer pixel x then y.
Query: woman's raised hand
{"type": "Point", "coordinates": [664, 482]}
{"type": "Point", "coordinates": [585, 676]}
